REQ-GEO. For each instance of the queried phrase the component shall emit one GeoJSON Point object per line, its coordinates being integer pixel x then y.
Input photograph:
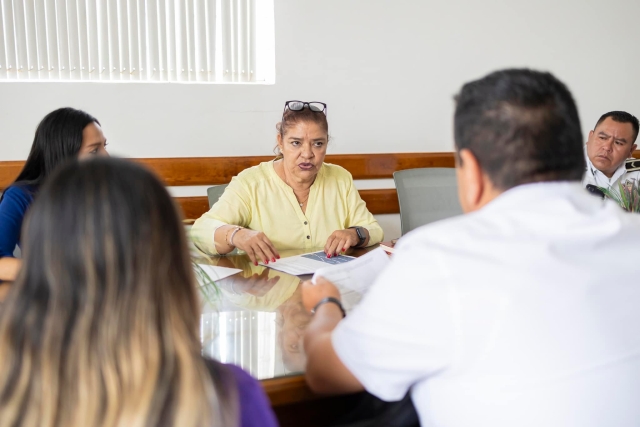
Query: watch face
{"type": "Point", "coordinates": [361, 234]}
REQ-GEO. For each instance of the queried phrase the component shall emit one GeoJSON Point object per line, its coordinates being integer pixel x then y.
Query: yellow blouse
{"type": "Point", "coordinates": [260, 200]}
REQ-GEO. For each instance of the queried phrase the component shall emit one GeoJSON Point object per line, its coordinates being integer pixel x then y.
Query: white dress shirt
{"type": "Point", "coordinates": [524, 313]}
{"type": "Point", "coordinates": [595, 177]}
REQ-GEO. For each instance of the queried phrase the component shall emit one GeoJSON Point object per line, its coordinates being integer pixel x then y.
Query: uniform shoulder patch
{"type": "Point", "coordinates": [632, 165]}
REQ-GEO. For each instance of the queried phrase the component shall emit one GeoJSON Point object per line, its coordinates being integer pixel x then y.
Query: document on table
{"type": "Point", "coordinates": [307, 263]}
{"type": "Point", "coordinates": [357, 275]}
{"type": "Point", "coordinates": [216, 273]}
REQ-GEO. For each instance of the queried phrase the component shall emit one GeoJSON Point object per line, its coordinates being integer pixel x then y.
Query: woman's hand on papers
{"type": "Point", "coordinates": [340, 241]}
{"type": "Point", "coordinates": [312, 294]}
{"type": "Point", "coordinates": [257, 245]}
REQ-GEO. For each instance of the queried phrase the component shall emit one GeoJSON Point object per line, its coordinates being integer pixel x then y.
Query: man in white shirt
{"type": "Point", "coordinates": [609, 150]}
{"type": "Point", "coordinates": [525, 311]}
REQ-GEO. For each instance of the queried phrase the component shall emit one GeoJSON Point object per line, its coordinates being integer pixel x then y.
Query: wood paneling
{"type": "Point", "coordinates": [220, 170]}
{"type": "Point", "coordinates": [193, 207]}
{"type": "Point", "coordinates": [373, 166]}
{"type": "Point", "coordinates": [181, 171]}
{"type": "Point", "coordinates": [384, 201]}
{"type": "Point", "coordinates": [8, 172]}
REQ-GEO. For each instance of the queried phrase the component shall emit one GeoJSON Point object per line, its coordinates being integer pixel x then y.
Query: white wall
{"type": "Point", "coordinates": [387, 70]}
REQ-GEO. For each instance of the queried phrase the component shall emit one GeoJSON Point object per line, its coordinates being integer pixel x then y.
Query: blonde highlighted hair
{"type": "Point", "coordinates": [101, 326]}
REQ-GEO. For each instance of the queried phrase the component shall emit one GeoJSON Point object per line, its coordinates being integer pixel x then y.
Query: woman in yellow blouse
{"type": "Point", "coordinates": [295, 201]}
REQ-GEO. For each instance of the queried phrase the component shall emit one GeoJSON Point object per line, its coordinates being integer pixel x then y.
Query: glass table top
{"type": "Point", "coordinates": [255, 318]}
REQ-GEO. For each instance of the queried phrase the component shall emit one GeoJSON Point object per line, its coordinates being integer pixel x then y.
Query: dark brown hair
{"type": "Point", "coordinates": [522, 126]}
{"type": "Point", "coordinates": [57, 139]}
{"type": "Point", "coordinates": [621, 117]}
{"type": "Point", "coordinates": [291, 118]}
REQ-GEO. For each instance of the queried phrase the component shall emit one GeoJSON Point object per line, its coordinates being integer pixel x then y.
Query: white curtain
{"type": "Point", "coordinates": [148, 40]}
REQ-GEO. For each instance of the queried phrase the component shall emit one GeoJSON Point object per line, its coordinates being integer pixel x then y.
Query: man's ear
{"type": "Point", "coordinates": [633, 148]}
{"type": "Point", "coordinates": [471, 184]}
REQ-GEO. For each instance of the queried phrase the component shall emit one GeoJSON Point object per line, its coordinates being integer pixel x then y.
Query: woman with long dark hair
{"type": "Point", "coordinates": [101, 327]}
{"type": "Point", "coordinates": [63, 134]}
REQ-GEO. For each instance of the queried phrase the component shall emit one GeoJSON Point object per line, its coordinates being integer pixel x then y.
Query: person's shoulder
{"type": "Point", "coordinates": [242, 377]}
{"type": "Point", "coordinates": [443, 233]}
{"type": "Point", "coordinates": [19, 193]}
{"type": "Point", "coordinates": [336, 172]}
{"type": "Point", "coordinates": [226, 374]}
{"type": "Point", "coordinates": [632, 165]}
{"type": "Point", "coordinates": [255, 177]}
{"type": "Point", "coordinates": [223, 371]}
{"type": "Point", "coordinates": [254, 406]}
{"type": "Point", "coordinates": [255, 174]}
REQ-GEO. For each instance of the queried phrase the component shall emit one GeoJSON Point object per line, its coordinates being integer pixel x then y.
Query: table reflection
{"type": "Point", "coordinates": [255, 318]}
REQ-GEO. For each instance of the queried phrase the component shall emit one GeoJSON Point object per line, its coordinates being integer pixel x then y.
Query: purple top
{"type": "Point", "coordinates": [255, 409]}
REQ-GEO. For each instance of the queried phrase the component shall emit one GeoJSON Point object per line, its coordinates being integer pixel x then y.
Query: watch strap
{"type": "Point", "coordinates": [362, 236]}
{"type": "Point", "coordinates": [325, 300]}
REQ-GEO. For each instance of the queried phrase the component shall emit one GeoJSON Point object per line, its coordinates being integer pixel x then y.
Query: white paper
{"type": "Point", "coordinates": [218, 273]}
{"type": "Point", "coordinates": [307, 263]}
{"type": "Point", "coordinates": [357, 275]}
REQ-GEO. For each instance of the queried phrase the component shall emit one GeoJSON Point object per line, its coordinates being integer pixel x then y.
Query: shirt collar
{"type": "Point", "coordinates": [599, 175]}
{"type": "Point", "coordinates": [535, 194]}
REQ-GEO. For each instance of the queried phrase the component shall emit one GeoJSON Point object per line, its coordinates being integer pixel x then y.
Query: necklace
{"type": "Point", "coordinates": [304, 201]}
{"type": "Point", "coordinates": [308, 190]}
{"type": "Point", "coordinates": [301, 203]}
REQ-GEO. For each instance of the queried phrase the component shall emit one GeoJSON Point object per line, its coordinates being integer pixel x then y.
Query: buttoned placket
{"type": "Point", "coordinates": [302, 217]}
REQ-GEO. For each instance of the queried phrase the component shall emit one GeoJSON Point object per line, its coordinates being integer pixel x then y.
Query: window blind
{"type": "Point", "coordinates": [128, 40]}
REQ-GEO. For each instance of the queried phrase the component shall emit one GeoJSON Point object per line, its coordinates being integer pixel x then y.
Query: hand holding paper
{"type": "Point", "coordinates": [312, 293]}
{"type": "Point", "coordinates": [348, 281]}
{"type": "Point", "coordinates": [358, 274]}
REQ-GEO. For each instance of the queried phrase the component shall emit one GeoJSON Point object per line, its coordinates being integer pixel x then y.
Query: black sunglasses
{"type": "Point", "coordinates": [315, 106]}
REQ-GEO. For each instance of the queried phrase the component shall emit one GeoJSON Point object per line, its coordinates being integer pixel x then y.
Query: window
{"type": "Point", "coordinates": [137, 40]}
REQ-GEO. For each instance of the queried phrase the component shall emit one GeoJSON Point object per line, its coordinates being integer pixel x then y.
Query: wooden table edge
{"type": "Point", "coordinates": [287, 390]}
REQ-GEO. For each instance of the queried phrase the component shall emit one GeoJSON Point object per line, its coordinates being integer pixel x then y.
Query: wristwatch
{"type": "Point", "coordinates": [362, 236]}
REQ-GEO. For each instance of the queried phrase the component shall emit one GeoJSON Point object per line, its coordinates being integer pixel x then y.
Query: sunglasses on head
{"type": "Point", "coordinates": [315, 106]}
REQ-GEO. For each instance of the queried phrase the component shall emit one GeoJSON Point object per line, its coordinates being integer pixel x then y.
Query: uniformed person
{"type": "Point", "coordinates": [609, 149]}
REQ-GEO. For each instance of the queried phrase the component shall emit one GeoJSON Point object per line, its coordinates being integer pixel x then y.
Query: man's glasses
{"type": "Point", "coordinates": [318, 107]}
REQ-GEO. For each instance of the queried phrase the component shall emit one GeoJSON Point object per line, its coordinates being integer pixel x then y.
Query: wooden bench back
{"type": "Point", "coordinates": [188, 171]}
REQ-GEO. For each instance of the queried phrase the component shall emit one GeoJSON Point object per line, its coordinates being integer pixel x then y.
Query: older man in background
{"type": "Point", "coordinates": [609, 150]}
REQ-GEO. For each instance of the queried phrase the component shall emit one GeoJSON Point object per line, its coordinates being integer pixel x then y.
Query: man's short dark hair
{"type": "Point", "coordinates": [522, 126]}
{"type": "Point", "coordinates": [621, 117]}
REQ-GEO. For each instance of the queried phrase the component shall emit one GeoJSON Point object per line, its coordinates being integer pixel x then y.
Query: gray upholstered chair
{"type": "Point", "coordinates": [426, 195]}
{"type": "Point", "coordinates": [214, 193]}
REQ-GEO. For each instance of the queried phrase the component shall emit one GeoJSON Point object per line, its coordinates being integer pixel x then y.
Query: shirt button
{"type": "Point", "coordinates": [305, 223]}
{"type": "Point", "coordinates": [308, 237]}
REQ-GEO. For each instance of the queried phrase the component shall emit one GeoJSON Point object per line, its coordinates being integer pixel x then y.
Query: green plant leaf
{"type": "Point", "coordinates": [627, 196]}
{"type": "Point", "coordinates": [208, 287]}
